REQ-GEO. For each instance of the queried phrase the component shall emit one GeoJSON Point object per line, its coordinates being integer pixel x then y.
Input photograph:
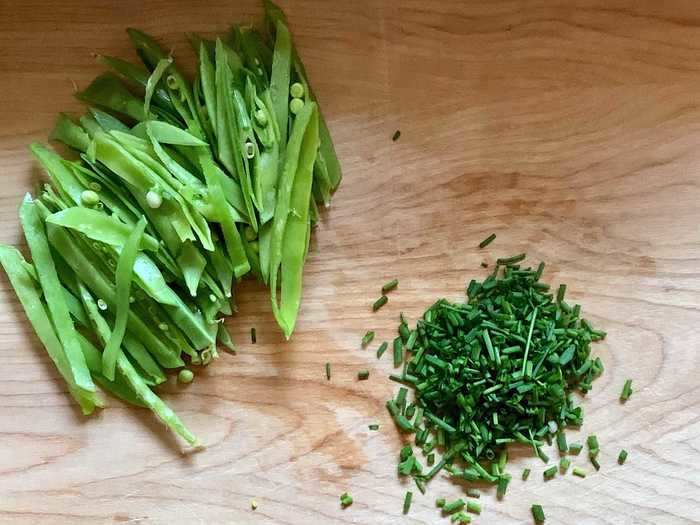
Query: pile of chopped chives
{"type": "Point", "coordinates": [499, 368]}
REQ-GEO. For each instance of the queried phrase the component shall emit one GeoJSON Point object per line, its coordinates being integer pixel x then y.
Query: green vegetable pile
{"type": "Point", "coordinates": [181, 189]}
{"type": "Point", "coordinates": [500, 368]}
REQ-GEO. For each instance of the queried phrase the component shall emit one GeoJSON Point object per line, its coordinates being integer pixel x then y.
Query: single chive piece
{"type": "Point", "coordinates": [382, 348]}
{"type": "Point", "coordinates": [396, 135]}
{"type": "Point", "coordinates": [626, 391]}
{"type": "Point", "coordinates": [622, 457]}
{"type": "Point", "coordinates": [564, 464]}
{"type": "Point", "coordinates": [328, 371]}
{"type": "Point", "coordinates": [461, 518]}
{"type": "Point", "coordinates": [253, 504]}
{"type": "Point", "coordinates": [487, 241]}
{"type": "Point", "coordinates": [550, 473]}
{"type": "Point", "coordinates": [363, 375]}
{"type": "Point", "coordinates": [537, 513]}
{"type": "Point", "coordinates": [379, 303]}
{"type": "Point", "coordinates": [431, 459]}
{"type": "Point", "coordinates": [561, 292]}
{"type": "Point", "coordinates": [398, 352]}
{"type": "Point", "coordinates": [592, 442]}
{"type": "Point", "coordinates": [473, 493]}
{"type": "Point", "coordinates": [373, 426]}
{"type": "Point", "coordinates": [401, 398]}
{"type": "Point", "coordinates": [515, 259]}
{"type": "Point", "coordinates": [561, 442]}
{"type": "Point", "coordinates": [253, 337]}
{"type": "Point", "coordinates": [502, 486]}
{"type": "Point", "coordinates": [474, 507]}
{"type": "Point", "coordinates": [578, 471]}
{"type": "Point", "coordinates": [544, 457]}
{"type": "Point", "coordinates": [407, 501]}
{"type": "Point", "coordinates": [390, 285]}
{"type": "Point", "coordinates": [594, 461]}
{"type": "Point", "coordinates": [484, 264]}
{"type": "Point", "coordinates": [453, 506]}
{"type": "Point", "coordinates": [420, 484]}
{"type": "Point", "coordinates": [345, 500]}
{"type": "Point", "coordinates": [440, 502]}
{"type": "Point", "coordinates": [185, 376]}
{"type": "Point", "coordinates": [526, 474]}
{"type": "Point", "coordinates": [367, 339]}
{"type": "Point", "coordinates": [575, 448]}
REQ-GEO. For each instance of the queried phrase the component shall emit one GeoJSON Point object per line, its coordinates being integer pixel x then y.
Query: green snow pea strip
{"type": "Point", "coordinates": [136, 350]}
{"type": "Point", "coordinates": [247, 145]}
{"type": "Point", "coordinates": [153, 80]}
{"type": "Point", "coordinates": [168, 134]}
{"type": "Point", "coordinates": [224, 337]}
{"type": "Point", "coordinates": [192, 263]}
{"type": "Point", "coordinates": [125, 270]}
{"type": "Point", "coordinates": [232, 237]}
{"type": "Point", "coordinates": [62, 176]}
{"type": "Point", "coordinates": [107, 122]}
{"type": "Point", "coordinates": [279, 81]}
{"type": "Point", "coordinates": [296, 232]}
{"type": "Point", "coordinates": [35, 234]}
{"type": "Point", "coordinates": [28, 295]}
{"type": "Point", "coordinates": [303, 137]}
{"type": "Point", "coordinates": [207, 76]}
{"type": "Point", "coordinates": [223, 269]}
{"type": "Point", "coordinates": [70, 133]}
{"type": "Point", "coordinates": [99, 226]}
{"type": "Point", "coordinates": [138, 76]}
{"type": "Point", "coordinates": [264, 245]}
{"type": "Point", "coordinates": [108, 91]}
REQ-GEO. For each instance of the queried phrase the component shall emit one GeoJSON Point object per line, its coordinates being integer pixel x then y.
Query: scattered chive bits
{"type": "Point", "coordinates": [564, 464]}
{"type": "Point", "coordinates": [593, 446]}
{"type": "Point", "coordinates": [390, 285]}
{"type": "Point", "coordinates": [396, 135]}
{"type": "Point", "coordinates": [379, 303]}
{"type": "Point", "coordinates": [407, 501]}
{"type": "Point", "coordinates": [363, 375]}
{"type": "Point", "coordinates": [488, 240]}
{"type": "Point", "coordinates": [382, 348]}
{"type": "Point", "coordinates": [253, 336]}
{"type": "Point", "coordinates": [526, 474]}
{"type": "Point", "coordinates": [484, 264]}
{"type": "Point", "coordinates": [367, 338]}
{"type": "Point", "coordinates": [537, 513]}
{"type": "Point", "coordinates": [594, 461]}
{"type": "Point", "coordinates": [328, 371]}
{"type": "Point", "coordinates": [575, 448]}
{"type": "Point", "coordinates": [622, 457]}
{"type": "Point", "coordinates": [498, 368]}
{"type": "Point", "coordinates": [373, 426]}
{"type": "Point", "coordinates": [345, 500]}
{"type": "Point", "coordinates": [473, 493]}
{"type": "Point", "coordinates": [440, 502]}
{"type": "Point", "coordinates": [474, 507]}
{"type": "Point", "coordinates": [626, 391]}
{"type": "Point", "coordinates": [578, 471]}
{"type": "Point", "coordinates": [549, 473]}
{"type": "Point", "coordinates": [453, 506]}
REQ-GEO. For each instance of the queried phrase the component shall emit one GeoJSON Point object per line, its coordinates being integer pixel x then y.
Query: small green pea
{"type": "Point", "coordinates": [153, 199]}
{"type": "Point", "coordinates": [185, 376]}
{"type": "Point", "coordinates": [296, 90]}
{"type": "Point", "coordinates": [261, 117]}
{"type": "Point", "coordinates": [89, 198]}
{"type": "Point", "coordinates": [296, 105]}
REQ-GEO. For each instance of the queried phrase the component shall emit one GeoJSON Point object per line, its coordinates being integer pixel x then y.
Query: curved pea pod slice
{"type": "Point", "coordinates": [57, 171]}
{"type": "Point", "coordinates": [192, 264]}
{"type": "Point", "coordinates": [70, 133]}
{"type": "Point", "coordinates": [28, 295]}
{"type": "Point", "coordinates": [109, 92]}
{"type": "Point", "coordinates": [153, 80]}
{"type": "Point", "coordinates": [99, 226]}
{"type": "Point", "coordinates": [138, 76]}
{"type": "Point", "coordinates": [165, 133]}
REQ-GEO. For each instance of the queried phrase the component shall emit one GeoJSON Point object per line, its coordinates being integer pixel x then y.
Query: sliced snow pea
{"type": "Point", "coordinates": [264, 245]}
{"type": "Point", "coordinates": [62, 176]}
{"type": "Point", "coordinates": [207, 77]}
{"type": "Point", "coordinates": [139, 353]}
{"type": "Point", "coordinates": [108, 91]}
{"type": "Point", "coordinates": [284, 252]}
{"type": "Point", "coordinates": [224, 337]}
{"type": "Point", "coordinates": [70, 133]}
{"type": "Point", "coordinates": [107, 122]}
{"type": "Point", "coordinates": [153, 80]}
{"type": "Point", "coordinates": [35, 234]}
{"type": "Point", "coordinates": [168, 134]}
{"type": "Point", "coordinates": [223, 269]}
{"type": "Point", "coordinates": [280, 78]}
{"type": "Point", "coordinates": [192, 264]}
{"type": "Point", "coordinates": [28, 295]}
{"type": "Point", "coordinates": [138, 76]}
{"type": "Point", "coordinates": [124, 276]}
{"type": "Point", "coordinates": [99, 226]}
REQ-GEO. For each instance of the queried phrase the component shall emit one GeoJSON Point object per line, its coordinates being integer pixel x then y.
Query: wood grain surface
{"type": "Point", "coordinates": [569, 128]}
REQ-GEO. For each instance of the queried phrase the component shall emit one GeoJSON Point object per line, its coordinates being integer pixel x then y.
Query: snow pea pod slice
{"type": "Point", "coordinates": [125, 270]}
{"type": "Point", "coordinates": [99, 226]}
{"type": "Point", "coordinates": [280, 79]}
{"type": "Point", "coordinates": [192, 264]}
{"type": "Point", "coordinates": [70, 133]}
{"type": "Point", "coordinates": [153, 80]}
{"type": "Point", "coordinates": [108, 91]}
{"type": "Point", "coordinates": [28, 295]}
{"type": "Point", "coordinates": [138, 76]}
{"type": "Point", "coordinates": [35, 234]}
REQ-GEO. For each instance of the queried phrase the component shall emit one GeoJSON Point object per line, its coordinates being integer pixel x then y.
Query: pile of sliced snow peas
{"type": "Point", "coordinates": [179, 190]}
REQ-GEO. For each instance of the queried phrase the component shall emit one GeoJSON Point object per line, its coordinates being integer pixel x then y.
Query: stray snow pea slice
{"type": "Point", "coordinates": [153, 80]}
{"type": "Point", "coordinates": [108, 91]}
{"type": "Point", "coordinates": [137, 75]}
{"type": "Point", "coordinates": [107, 122]}
{"type": "Point", "coordinates": [279, 81]}
{"type": "Point", "coordinates": [70, 133]}
{"type": "Point", "coordinates": [192, 264]}
{"type": "Point", "coordinates": [165, 133]}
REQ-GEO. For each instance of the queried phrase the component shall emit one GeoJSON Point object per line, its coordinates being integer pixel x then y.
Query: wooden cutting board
{"type": "Point", "coordinates": [571, 129]}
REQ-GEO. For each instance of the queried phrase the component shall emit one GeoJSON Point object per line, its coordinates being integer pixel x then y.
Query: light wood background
{"type": "Point", "coordinates": [569, 128]}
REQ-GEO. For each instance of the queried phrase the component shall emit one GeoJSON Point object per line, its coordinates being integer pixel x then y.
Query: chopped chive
{"type": "Point", "coordinates": [382, 348]}
{"type": "Point", "coordinates": [398, 352]}
{"type": "Point", "coordinates": [488, 240]}
{"type": "Point", "coordinates": [373, 426]}
{"type": "Point", "coordinates": [396, 135]}
{"type": "Point", "coordinates": [362, 375]}
{"type": "Point", "coordinates": [502, 486]}
{"type": "Point", "coordinates": [626, 391]}
{"type": "Point", "coordinates": [564, 464]}
{"type": "Point", "coordinates": [561, 292]}
{"type": "Point", "coordinates": [367, 338]}
{"type": "Point", "coordinates": [253, 338]}
{"type": "Point", "coordinates": [440, 502]}
{"type": "Point", "coordinates": [537, 513]}
{"type": "Point", "coordinates": [473, 493]}
{"type": "Point", "coordinates": [379, 303]}
{"type": "Point", "coordinates": [561, 442]}
{"type": "Point", "coordinates": [345, 500]}
{"type": "Point", "coordinates": [401, 397]}
{"type": "Point", "coordinates": [544, 457]}
{"type": "Point", "coordinates": [431, 459]}
{"type": "Point", "coordinates": [592, 442]}
{"type": "Point", "coordinates": [622, 457]}
{"type": "Point", "coordinates": [484, 264]}
{"type": "Point", "coordinates": [453, 506]}
{"type": "Point", "coordinates": [390, 285]}
{"type": "Point", "coordinates": [594, 461]}
{"type": "Point", "coordinates": [461, 518]}
{"type": "Point", "coordinates": [515, 259]}
{"type": "Point", "coordinates": [526, 474]}
{"type": "Point", "coordinates": [578, 471]}
{"type": "Point", "coordinates": [407, 501]}
{"type": "Point", "coordinates": [474, 507]}
{"type": "Point", "coordinates": [575, 448]}
{"type": "Point", "coordinates": [550, 473]}
{"type": "Point", "coordinates": [328, 371]}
